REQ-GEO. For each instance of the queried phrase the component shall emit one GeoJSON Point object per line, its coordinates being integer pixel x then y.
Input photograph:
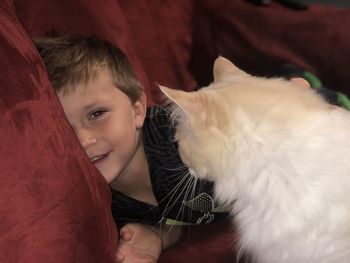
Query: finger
{"type": "Point", "coordinates": [125, 234]}
{"type": "Point", "coordinates": [301, 82]}
{"type": "Point", "coordinates": [119, 257]}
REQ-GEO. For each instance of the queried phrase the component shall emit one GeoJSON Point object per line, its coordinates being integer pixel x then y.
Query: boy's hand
{"type": "Point", "coordinates": [138, 244]}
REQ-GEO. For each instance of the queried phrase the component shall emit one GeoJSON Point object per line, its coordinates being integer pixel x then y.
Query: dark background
{"type": "Point", "coordinates": [341, 3]}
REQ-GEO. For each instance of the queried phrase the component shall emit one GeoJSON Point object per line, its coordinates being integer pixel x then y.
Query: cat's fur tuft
{"type": "Point", "coordinates": [279, 156]}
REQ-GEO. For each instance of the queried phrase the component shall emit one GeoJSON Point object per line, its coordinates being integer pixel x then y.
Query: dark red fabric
{"type": "Point", "coordinates": [54, 205]}
{"type": "Point", "coordinates": [261, 39]}
{"type": "Point", "coordinates": [161, 31]}
{"type": "Point", "coordinates": [213, 243]}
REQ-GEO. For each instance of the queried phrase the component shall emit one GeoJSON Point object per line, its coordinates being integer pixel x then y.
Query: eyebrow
{"type": "Point", "coordinates": [92, 105]}
{"type": "Point", "coordinates": [89, 106]}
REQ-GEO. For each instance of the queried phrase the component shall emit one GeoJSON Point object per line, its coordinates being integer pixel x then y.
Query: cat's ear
{"type": "Point", "coordinates": [224, 68]}
{"type": "Point", "coordinates": [185, 100]}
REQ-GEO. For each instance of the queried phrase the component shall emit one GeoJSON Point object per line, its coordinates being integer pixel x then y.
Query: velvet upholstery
{"type": "Point", "coordinates": [54, 205]}
{"type": "Point", "coordinates": [162, 38]}
{"type": "Point", "coordinates": [261, 39]}
{"type": "Point", "coordinates": [212, 243]}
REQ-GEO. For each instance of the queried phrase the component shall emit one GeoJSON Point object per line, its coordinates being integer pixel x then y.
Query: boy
{"type": "Point", "coordinates": [132, 147]}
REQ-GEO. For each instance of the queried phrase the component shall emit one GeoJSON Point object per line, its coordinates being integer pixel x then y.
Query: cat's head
{"type": "Point", "coordinates": [217, 121]}
{"type": "Point", "coordinates": [204, 124]}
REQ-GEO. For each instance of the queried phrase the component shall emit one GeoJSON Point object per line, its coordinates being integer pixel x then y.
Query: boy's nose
{"type": "Point", "coordinates": [86, 139]}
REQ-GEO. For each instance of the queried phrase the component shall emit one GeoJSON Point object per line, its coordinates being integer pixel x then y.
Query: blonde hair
{"type": "Point", "coordinates": [71, 60]}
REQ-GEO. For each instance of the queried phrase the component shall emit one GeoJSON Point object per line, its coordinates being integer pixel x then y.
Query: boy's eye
{"type": "Point", "coordinates": [96, 114]}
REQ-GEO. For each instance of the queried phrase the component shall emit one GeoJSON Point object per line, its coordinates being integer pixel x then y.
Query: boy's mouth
{"type": "Point", "coordinates": [96, 159]}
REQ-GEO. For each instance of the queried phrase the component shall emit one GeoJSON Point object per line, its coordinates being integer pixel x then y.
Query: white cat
{"type": "Point", "coordinates": [280, 158]}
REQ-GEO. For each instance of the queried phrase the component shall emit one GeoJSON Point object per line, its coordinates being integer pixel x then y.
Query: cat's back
{"type": "Point", "coordinates": [276, 106]}
{"type": "Point", "coordinates": [309, 198]}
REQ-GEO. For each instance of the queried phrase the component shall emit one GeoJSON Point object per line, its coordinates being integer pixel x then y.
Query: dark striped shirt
{"type": "Point", "coordinates": [181, 199]}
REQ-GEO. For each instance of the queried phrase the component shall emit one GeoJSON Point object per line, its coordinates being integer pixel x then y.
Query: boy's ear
{"type": "Point", "coordinates": [140, 109]}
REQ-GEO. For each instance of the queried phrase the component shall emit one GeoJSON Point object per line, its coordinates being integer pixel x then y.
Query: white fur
{"type": "Point", "coordinates": [281, 161]}
{"type": "Point", "coordinates": [292, 197]}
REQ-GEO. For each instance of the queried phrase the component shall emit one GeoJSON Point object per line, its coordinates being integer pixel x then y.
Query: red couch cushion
{"type": "Point", "coordinates": [55, 206]}
{"type": "Point", "coordinates": [161, 31]}
{"type": "Point", "coordinates": [204, 243]}
{"type": "Point", "coordinates": [261, 39]}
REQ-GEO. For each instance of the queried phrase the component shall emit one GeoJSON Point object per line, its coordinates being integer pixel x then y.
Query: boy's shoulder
{"type": "Point", "coordinates": [158, 124]}
{"type": "Point", "coordinates": [157, 112]}
{"type": "Point", "coordinates": [158, 115]}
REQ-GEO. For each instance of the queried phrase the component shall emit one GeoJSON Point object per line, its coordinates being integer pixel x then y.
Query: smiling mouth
{"type": "Point", "coordinates": [96, 159]}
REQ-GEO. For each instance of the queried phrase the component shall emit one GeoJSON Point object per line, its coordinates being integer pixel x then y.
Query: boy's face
{"type": "Point", "coordinates": [106, 123]}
